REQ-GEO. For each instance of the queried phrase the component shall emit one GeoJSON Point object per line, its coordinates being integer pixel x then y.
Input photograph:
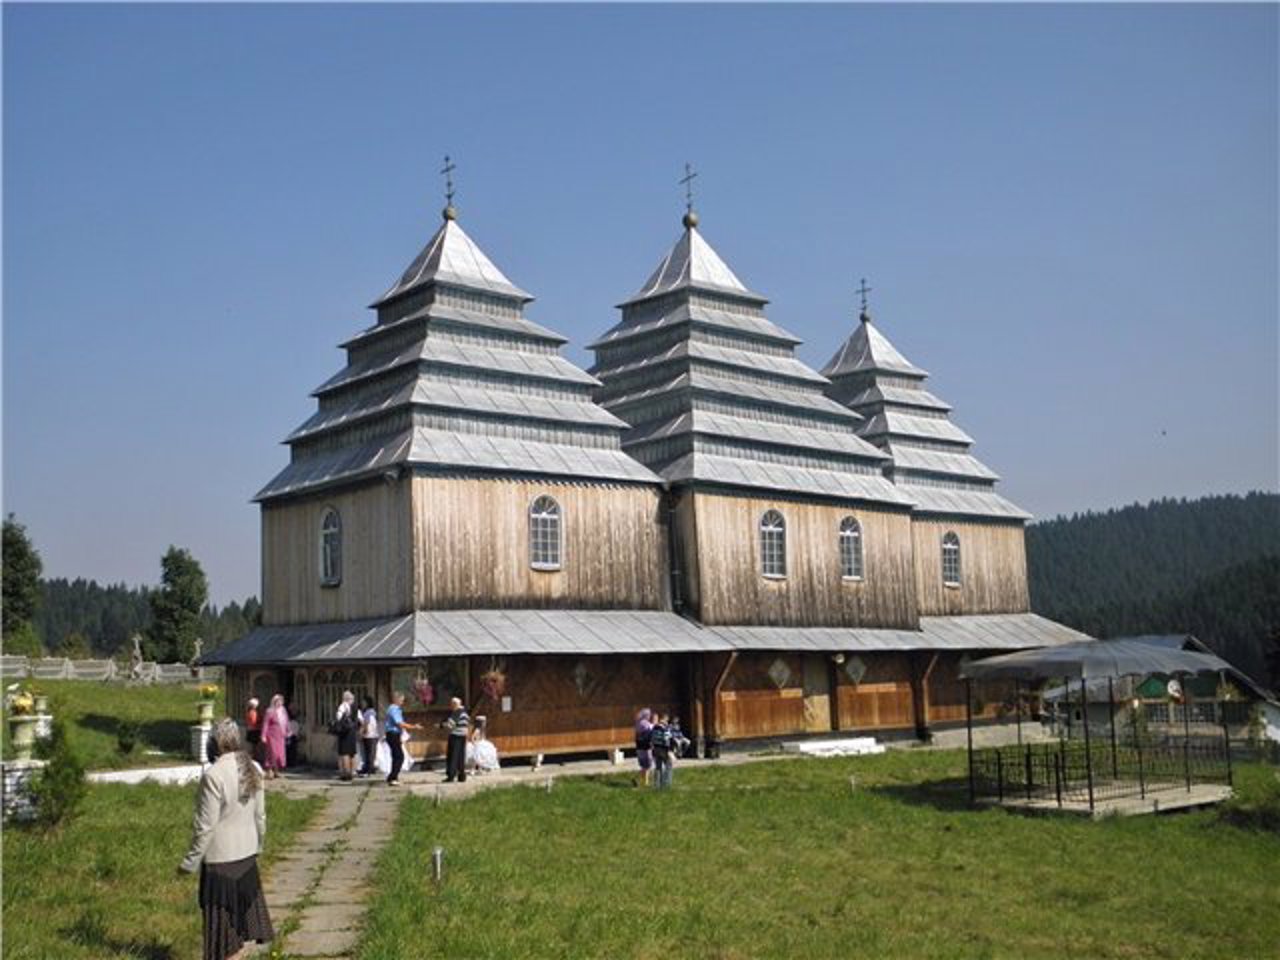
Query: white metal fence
{"type": "Point", "coordinates": [61, 668]}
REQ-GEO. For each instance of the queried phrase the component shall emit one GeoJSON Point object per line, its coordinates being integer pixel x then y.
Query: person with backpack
{"type": "Point", "coordinates": [660, 743]}
{"type": "Point", "coordinates": [644, 746]}
{"type": "Point", "coordinates": [345, 726]}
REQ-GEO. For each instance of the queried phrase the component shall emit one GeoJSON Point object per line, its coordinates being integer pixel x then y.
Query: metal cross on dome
{"type": "Point", "coordinates": [447, 170]}
{"type": "Point", "coordinates": [687, 180]}
{"type": "Point", "coordinates": [862, 291]}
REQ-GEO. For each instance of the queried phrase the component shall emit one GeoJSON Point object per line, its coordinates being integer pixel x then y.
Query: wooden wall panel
{"type": "Point", "coordinates": [882, 699]}
{"type": "Point", "coordinates": [753, 704]}
{"type": "Point", "coordinates": [471, 545]}
{"type": "Point", "coordinates": [992, 699]}
{"type": "Point", "coordinates": [733, 591]}
{"type": "Point", "coordinates": [376, 556]}
{"type": "Point", "coordinates": [993, 568]}
{"type": "Point", "coordinates": [577, 703]}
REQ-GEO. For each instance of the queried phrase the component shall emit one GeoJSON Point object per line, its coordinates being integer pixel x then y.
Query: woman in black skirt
{"type": "Point", "coordinates": [229, 826]}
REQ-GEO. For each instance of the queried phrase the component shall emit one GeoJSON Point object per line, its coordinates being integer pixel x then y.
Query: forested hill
{"type": "Point", "coordinates": [82, 618]}
{"type": "Point", "coordinates": [1209, 567]}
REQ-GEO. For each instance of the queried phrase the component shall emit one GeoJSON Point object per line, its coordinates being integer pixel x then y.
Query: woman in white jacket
{"type": "Point", "coordinates": [227, 833]}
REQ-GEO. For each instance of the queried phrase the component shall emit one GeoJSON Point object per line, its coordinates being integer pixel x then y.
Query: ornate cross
{"type": "Point", "coordinates": [863, 290]}
{"type": "Point", "coordinates": [449, 167]}
{"type": "Point", "coordinates": [687, 180]}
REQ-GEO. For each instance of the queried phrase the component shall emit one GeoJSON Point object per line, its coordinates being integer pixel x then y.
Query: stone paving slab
{"type": "Point", "coordinates": [321, 943]}
{"type": "Point", "coordinates": [335, 916]}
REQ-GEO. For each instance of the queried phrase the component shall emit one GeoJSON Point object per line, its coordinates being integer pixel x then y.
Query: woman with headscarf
{"type": "Point", "coordinates": [252, 726]}
{"type": "Point", "coordinates": [275, 731]}
{"type": "Point", "coordinates": [228, 829]}
{"type": "Point", "coordinates": [346, 726]}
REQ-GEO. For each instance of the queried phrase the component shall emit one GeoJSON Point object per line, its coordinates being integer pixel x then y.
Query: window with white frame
{"type": "Point", "coordinates": [951, 560]}
{"type": "Point", "coordinates": [773, 544]}
{"type": "Point", "coordinates": [850, 549]}
{"type": "Point", "coordinates": [544, 534]}
{"type": "Point", "coordinates": [331, 548]}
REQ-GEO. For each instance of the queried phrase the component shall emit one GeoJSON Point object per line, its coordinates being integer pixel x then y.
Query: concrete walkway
{"type": "Point", "coordinates": [316, 891]}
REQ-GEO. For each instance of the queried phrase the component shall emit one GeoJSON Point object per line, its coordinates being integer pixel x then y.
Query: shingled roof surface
{"type": "Point", "coordinates": [931, 460]}
{"type": "Point", "coordinates": [714, 394]}
{"type": "Point", "coordinates": [453, 377]}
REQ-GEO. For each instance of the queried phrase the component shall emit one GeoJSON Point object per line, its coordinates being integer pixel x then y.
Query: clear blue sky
{"type": "Point", "coordinates": [1068, 214]}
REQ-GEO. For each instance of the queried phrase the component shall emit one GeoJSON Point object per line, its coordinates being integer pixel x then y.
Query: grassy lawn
{"type": "Point", "coordinates": [94, 711]}
{"type": "Point", "coordinates": [105, 886]}
{"type": "Point", "coordinates": [783, 859]}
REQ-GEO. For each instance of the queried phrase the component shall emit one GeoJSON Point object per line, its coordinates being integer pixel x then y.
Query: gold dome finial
{"type": "Point", "coordinates": [690, 219]}
{"type": "Point", "coordinates": [450, 212]}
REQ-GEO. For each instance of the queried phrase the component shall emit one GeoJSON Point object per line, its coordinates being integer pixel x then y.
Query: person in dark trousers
{"type": "Point", "coordinates": [368, 737]}
{"type": "Point", "coordinates": [395, 727]}
{"type": "Point", "coordinates": [660, 739]}
{"type": "Point", "coordinates": [459, 726]}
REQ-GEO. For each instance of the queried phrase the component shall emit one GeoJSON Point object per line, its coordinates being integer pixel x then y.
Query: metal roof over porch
{"type": "Point", "coordinates": [453, 633]}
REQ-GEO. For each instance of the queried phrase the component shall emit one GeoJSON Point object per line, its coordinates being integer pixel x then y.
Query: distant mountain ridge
{"type": "Point", "coordinates": [1210, 567]}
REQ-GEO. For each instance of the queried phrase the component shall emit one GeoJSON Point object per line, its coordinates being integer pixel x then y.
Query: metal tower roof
{"type": "Point", "coordinates": [454, 378]}
{"type": "Point", "coordinates": [452, 257]}
{"type": "Point", "coordinates": [715, 395]}
{"type": "Point", "coordinates": [931, 460]}
{"type": "Point", "coordinates": [692, 263]}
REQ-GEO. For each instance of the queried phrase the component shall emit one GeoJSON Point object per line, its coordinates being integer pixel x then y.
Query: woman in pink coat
{"type": "Point", "coordinates": [275, 730]}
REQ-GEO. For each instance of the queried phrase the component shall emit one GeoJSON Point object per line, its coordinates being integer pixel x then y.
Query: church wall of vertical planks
{"type": "Point", "coordinates": [700, 523]}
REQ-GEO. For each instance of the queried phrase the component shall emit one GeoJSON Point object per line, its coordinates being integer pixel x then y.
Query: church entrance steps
{"type": "Point", "coordinates": [844, 747]}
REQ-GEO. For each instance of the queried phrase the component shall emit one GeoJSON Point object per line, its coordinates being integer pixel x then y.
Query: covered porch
{"type": "Point", "coordinates": [1121, 766]}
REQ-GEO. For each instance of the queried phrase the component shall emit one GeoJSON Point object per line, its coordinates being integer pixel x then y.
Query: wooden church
{"type": "Point", "coordinates": [701, 524]}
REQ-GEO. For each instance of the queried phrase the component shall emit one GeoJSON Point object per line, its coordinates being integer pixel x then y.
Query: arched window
{"type": "Point", "coordinates": [544, 534]}
{"type": "Point", "coordinates": [850, 549]}
{"type": "Point", "coordinates": [331, 548]}
{"type": "Point", "coordinates": [773, 544]}
{"type": "Point", "coordinates": [951, 560]}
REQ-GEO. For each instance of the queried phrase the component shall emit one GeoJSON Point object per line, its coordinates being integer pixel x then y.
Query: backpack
{"type": "Point", "coordinates": [341, 726]}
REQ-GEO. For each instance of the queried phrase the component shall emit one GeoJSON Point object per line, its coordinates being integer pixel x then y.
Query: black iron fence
{"type": "Point", "coordinates": [1098, 769]}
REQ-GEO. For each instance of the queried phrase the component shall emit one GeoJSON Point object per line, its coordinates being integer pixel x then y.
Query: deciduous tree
{"type": "Point", "coordinates": [176, 607]}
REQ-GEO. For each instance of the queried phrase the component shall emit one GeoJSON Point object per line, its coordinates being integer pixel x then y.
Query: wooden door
{"type": "Point", "coordinates": [817, 694]}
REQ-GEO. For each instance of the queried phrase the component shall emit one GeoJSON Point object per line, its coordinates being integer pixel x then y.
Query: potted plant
{"type": "Point", "coordinates": [424, 692]}
{"type": "Point", "coordinates": [208, 694]}
{"type": "Point", "coordinates": [22, 721]}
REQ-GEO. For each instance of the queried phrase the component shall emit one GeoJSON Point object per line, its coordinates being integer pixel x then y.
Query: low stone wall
{"type": "Point", "coordinates": [16, 788]}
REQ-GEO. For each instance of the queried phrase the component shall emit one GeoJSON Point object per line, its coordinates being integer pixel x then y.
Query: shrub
{"type": "Point", "coordinates": [61, 787]}
{"type": "Point", "coordinates": [127, 732]}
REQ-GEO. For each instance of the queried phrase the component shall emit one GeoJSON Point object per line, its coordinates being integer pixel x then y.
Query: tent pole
{"type": "Point", "coordinates": [968, 726]}
{"type": "Point", "coordinates": [1111, 701]}
{"type": "Point", "coordinates": [1088, 752]}
{"type": "Point", "coordinates": [1186, 730]}
{"type": "Point", "coordinates": [1017, 696]}
{"type": "Point", "coordinates": [1226, 732]}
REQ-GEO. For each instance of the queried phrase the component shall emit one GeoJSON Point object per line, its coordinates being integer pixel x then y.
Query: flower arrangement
{"type": "Point", "coordinates": [208, 691]}
{"type": "Point", "coordinates": [493, 683]}
{"type": "Point", "coordinates": [423, 690]}
{"type": "Point", "coordinates": [20, 699]}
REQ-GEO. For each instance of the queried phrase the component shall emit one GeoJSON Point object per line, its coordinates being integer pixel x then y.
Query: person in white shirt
{"type": "Point", "coordinates": [370, 734]}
